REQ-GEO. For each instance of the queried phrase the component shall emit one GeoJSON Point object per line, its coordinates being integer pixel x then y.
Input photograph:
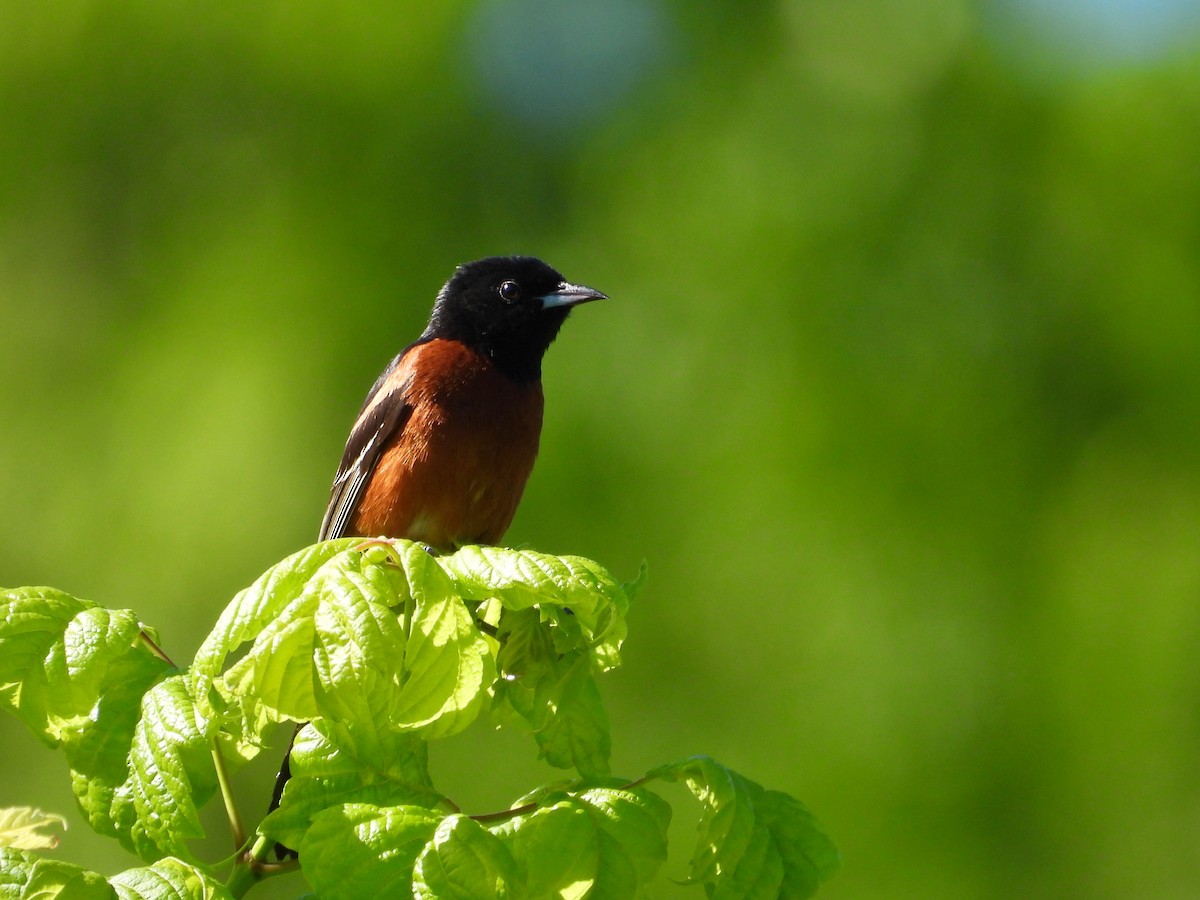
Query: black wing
{"type": "Point", "coordinates": [383, 415]}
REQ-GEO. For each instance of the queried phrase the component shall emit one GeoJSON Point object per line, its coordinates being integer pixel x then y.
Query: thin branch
{"type": "Point", "coordinates": [155, 649]}
{"type": "Point", "coordinates": [253, 867]}
{"type": "Point", "coordinates": [236, 827]}
{"type": "Point", "coordinates": [505, 814]}
{"type": "Point", "coordinates": [487, 628]}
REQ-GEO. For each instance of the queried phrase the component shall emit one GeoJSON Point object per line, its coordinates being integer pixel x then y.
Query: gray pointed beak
{"type": "Point", "coordinates": [568, 295]}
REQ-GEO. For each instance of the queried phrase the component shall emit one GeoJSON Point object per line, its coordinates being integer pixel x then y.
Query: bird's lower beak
{"type": "Point", "coordinates": [568, 295]}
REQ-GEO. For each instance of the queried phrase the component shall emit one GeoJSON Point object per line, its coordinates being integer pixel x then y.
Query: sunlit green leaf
{"type": "Point", "coordinates": [169, 879]}
{"type": "Point", "coordinates": [727, 824]}
{"type": "Point", "coordinates": [464, 861]}
{"type": "Point", "coordinates": [171, 773]}
{"type": "Point", "coordinates": [756, 875]}
{"type": "Point", "coordinates": [62, 659]}
{"type": "Point", "coordinates": [753, 842]}
{"type": "Point", "coordinates": [358, 642]}
{"type": "Point", "coordinates": [637, 819]}
{"type": "Point", "coordinates": [84, 673]}
{"type": "Point", "coordinates": [324, 775]}
{"type": "Point", "coordinates": [559, 848]}
{"type": "Point", "coordinates": [23, 875]}
{"type": "Point", "coordinates": [374, 639]}
{"type": "Point", "coordinates": [256, 607]}
{"type": "Point", "coordinates": [808, 854]}
{"type": "Point", "coordinates": [448, 665]}
{"type": "Point", "coordinates": [24, 828]}
{"type": "Point", "coordinates": [555, 694]}
{"type": "Point", "coordinates": [360, 850]}
{"type": "Point", "coordinates": [277, 672]}
{"type": "Point", "coordinates": [520, 579]}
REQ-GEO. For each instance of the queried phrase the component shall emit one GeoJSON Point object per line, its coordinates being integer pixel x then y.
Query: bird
{"type": "Point", "coordinates": [446, 439]}
{"type": "Point", "coordinates": [447, 436]}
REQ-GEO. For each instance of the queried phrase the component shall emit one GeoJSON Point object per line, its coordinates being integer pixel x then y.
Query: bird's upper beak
{"type": "Point", "coordinates": [568, 295]}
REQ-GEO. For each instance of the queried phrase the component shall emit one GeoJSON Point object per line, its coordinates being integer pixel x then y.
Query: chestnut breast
{"type": "Point", "coordinates": [456, 471]}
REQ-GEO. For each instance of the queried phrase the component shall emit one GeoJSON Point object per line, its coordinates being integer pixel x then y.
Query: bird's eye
{"type": "Point", "coordinates": [510, 292]}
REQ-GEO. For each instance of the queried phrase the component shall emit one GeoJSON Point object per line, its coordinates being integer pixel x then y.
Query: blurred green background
{"type": "Point", "coordinates": [898, 392]}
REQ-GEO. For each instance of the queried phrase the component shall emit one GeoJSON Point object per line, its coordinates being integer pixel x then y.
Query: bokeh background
{"type": "Point", "coordinates": [897, 394]}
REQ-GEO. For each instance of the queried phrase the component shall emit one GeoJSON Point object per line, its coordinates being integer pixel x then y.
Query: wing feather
{"type": "Point", "coordinates": [382, 418]}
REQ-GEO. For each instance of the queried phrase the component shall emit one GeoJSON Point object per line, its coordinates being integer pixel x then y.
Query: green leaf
{"type": "Point", "coordinates": [448, 665]}
{"type": "Point", "coordinates": [278, 673]}
{"type": "Point", "coordinates": [563, 620]}
{"type": "Point", "coordinates": [521, 579]}
{"type": "Point", "coordinates": [360, 850]}
{"type": "Point", "coordinates": [256, 607]}
{"type": "Point", "coordinates": [637, 820]}
{"type": "Point", "coordinates": [169, 879]}
{"type": "Point", "coordinates": [753, 842]}
{"type": "Point", "coordinates": [23, 827]}
{"type": "Point", "coordinates": [358, 646]}
{"type": "Point", "coordinates": [98, 753]}
{"type": "Point", "coordinates": [602, 842]}
{"type": "Point", "coordinates": [32, 620]}
{"type": "Point", "coordinates": [559, 848]}
{"type": "Point", "coordinates": [616, 875]}
{"type": "Point", "coordinates": [69, 668]}
{"type": "Point", "coordinates": [171, 773]}
{"type": "Point", "coordinates": [727, 824]}
{"type": "Point", "coordinates": [325, 776]}
{"type": "Point", "coordinates": [274, 613]}
{"type": "Point", "coordinates": [25, 875]}
{"type": "Point", "coordinates": [81, 675]}
{"type": "Point", "coordinates": [374, 639]}
{"type": "Point", "coordinates": [809, 855]}
{"type": "Point", "coordinates": [576, 733]}
{"type": "Point", "coordinates": [464, 861]}
{"type": "Point", "coordinates": [556, 695]}
{"type": "Point", "coordinates": [79, 667]}
{"type": "Point", "coordinates": [757, 874]}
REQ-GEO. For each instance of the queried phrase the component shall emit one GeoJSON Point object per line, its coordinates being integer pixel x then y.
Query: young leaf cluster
{"type": "Point", "coordinates": [374, 648]}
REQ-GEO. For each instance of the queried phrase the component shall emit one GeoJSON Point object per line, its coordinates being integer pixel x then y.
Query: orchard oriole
{"type": "Point", "coordinates": [447, 437]}
{"type": "Point", "coordinates": [448, 434]}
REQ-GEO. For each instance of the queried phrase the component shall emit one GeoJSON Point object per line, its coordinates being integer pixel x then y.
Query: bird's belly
{"type": "Point", "coordinates": [463, 482]}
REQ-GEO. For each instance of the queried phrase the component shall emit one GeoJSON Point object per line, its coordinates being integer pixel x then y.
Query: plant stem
{"type": "Point", "coordinates": [241, 879]}
{"type": "Point", "coordinates": [236, 827]}
{"type": "Point", "coordinates": [253, 867]}
{"type": "Point", "coordinates": [156, 650]}
{"type": "Point", "coordinates": [246, 874]}
{"type": "Point", "coordinates": [506, 814]}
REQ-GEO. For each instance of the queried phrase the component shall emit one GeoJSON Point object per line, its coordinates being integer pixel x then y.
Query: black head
{"type": "Point", "coordinates": [507, 307]}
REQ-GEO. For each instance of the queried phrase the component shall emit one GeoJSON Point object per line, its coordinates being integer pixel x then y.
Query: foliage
{"type": "Point", "coordinates": [898, 388]}
{"type": "Point", "coordinates": [378, 647]}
